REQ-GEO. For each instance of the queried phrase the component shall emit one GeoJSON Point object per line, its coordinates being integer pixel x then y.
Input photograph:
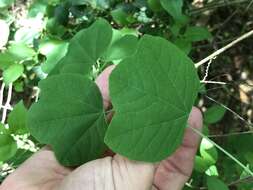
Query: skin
{"type": "Point", "coordinates": [43, 172]}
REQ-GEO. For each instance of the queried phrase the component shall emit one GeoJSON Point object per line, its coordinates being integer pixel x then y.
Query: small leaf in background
{"type": "Point", "coordinates": [122, 48]}
{"type": "Point", "coordinates": [12, 73]}
{"type": "Point", "coordinates": [184, 45]}
{"type": "Point", "coordinates": [26, 35]}
{"type": "Point", "coordinates": [4, 33]}
{"type": "Point", "coordinates": [19, 86]}
{"type": "Point", "coordinates": [6, 3]}
{"type": "Point", "coordinates": [3, 129]}
{"type": "Point", "coordinates": [21, 51]}
{"type": "Point", "coordinates": [214, 114]}
{"type": "Point", "coordinates": [208, 151]}
{"type": "Point", "coordinates": [173, 7]}
{"type": "Point", "coordinates": [69, 116]}
{"type": "Point", "coordinates": [200, 164]}
{"type": "Point", "coordinates": [17, 119]}
{"type": "Point", "coordinates": [54, 50]}
{"type": "Point", "coordinates": [8, 147]}
{"type": "Point", "coordinates": [6, 60]}
{"type": "Point", "coordinates": [155, 5]}
{"type": "Point", "coordinates": [213, 183]}
{"type": "Point", "coordinates": [196, 33]}
{"type": "Point", "coordinates": [158, 79]}
{"type": "Point", "coordinates": [212, 171]}
{"type": "Point", "coordinates": [120, 16]}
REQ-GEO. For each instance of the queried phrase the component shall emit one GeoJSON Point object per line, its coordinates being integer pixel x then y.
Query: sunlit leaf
{"type": "Point", "coordinates": [12, 73]}
{"type": "Point", "coordinates": [4, 33]}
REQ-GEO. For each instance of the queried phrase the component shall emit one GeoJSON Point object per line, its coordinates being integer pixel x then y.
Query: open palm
{"type": "Point", "coordinates": [43, 172]}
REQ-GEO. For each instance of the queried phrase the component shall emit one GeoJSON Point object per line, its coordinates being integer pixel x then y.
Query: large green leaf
{"type": "Point", "coordinates": [17, 119]}
{"type": "Point", "coordinates": [152, 93]}
{"type": "Point", "coordinates": [8, 147]}
{"type": "Point", "coordinates": [86, 48]}
{"type": "Point", "coordinates": [173, 7]}
{"type": "Point", "coordinates": [213, 183]}
{"type": "Point", "coordinates": [69, 116]}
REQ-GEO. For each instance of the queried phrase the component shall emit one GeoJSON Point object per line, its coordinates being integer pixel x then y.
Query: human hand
{"type": "Point", "coordinates": [43, 172]}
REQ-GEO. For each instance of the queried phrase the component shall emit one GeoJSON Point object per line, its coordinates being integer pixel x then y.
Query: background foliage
{"type": "Point", "coordinates": [35, 35]}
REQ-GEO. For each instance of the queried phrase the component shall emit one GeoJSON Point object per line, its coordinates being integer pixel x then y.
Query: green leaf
{"type": "Point", "coordinates": [197, 33]}
{"type": "Point", "coordinates": [200, 164]}
{"type": "Point", "coordinates": [4, 33]}
{"type": "Point", "coordinates": [155, 5]}
{"type": "Point", "coordinates": [21, 51]}
{"type": "Point", "coordinates": [6, 60]}
{"type": "Point", "coordinates": [17, 119]}
{"type": "Point", "coordinates": [26, 35]}
{"type": "Point", "coordinates": [152, 93]}
{"type": "Point", "coordinates": [6, 3]}
{"type": "Point", "coordinates": [214, 114]}
{"type": "Point", "coordinates": [3, 129]}
{"type": "Point", "coordinates": [69, 116]}
{"type": "Point", "coordinates": [212, 171]}
{"type": "Point", "coordinates": [12, 73]}
{"type": "Point", "coordinates": [183, 44]}
{"type": "Point", "coordinates": [213, 183]}
{"type": "Point", "coordinates": [173, 7]}
{"type": "Point", "coordinates": [120, 16]}
{"type": "Point", "coordinates": [122, 48]}
{"type": "Point", "coordinates": [86, 48]}
{"type": "Point", "coordinates": [8, 147]}
{"type": "Point", "coordinates": [54, 51]}
{"type": "Point", "coordinates": [208, 152]}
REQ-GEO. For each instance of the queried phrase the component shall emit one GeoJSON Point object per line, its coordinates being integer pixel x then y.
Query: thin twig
{"type": "Point", "coordinates": [212, 82]}
{"type": "Point", "coordinates": [2, 95]}
{"type": "Point", "coordinates": [230, 110]}
{"type": "Point", "coordinates": [7, 104]}
{"type": "Point", "coordinates": [231, 134]}
{"type": "Point", "coordinates": [219, 51]}
{"type": "Point", "coordinates": [245, 168]}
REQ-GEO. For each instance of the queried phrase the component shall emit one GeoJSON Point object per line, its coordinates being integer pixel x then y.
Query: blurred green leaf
{"type": "Point", "coordinates": [8, 147]}
{"type": "Point", "coordinates": [26, 35]}
{"type": "Point", "coordinates": [208, 152]}
{"type": "Point", "coordinates": [4, 33]}
{"type": "Point", "coordinates": [3, 129]}
{"type": "Point", "coordinates": [200, 164]}
{"type": "Point", "coordinates": [6, 3]}
{"type": "Point", "coordinates": [21, 51]}
{"type": "Point", "coordinates": [17, 119]}
{"type": "Point", "coordinates": [54, 50]}
{"type": "Point", "coordinates": [183, 44]}
{"type": "Point", "coordinates": [122, 48]}
{"type": "Point", "coordinates": [213, 183]}
{"type": "Point", "coordinates": [12, 73]}
{"type": "Point", "coordinates": [155, 5]}
{"type": "Point", "coordinates": [214, 114]}
{"type": "Point", "coordinates": [173, 7]}
{"type": "Point", "coordinates": [212, 171]}
{"type": "Point", "coordinates": [196, 33]}
{"type": "Point", "coordinates": [6, 60]}
{"type": "Point", "coordinates": [119, 16]}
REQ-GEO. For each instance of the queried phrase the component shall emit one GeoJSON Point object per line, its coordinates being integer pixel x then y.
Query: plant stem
{"type": "Point", "coordinates": [224, 151]}
{"type": "Point", "coordinates": [219, 51]}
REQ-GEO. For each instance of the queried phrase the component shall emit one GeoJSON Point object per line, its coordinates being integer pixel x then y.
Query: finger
{"type": "Point", "coordinates": [173, 172]}
{"type": "Point", "coordinates": [103, 84]}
